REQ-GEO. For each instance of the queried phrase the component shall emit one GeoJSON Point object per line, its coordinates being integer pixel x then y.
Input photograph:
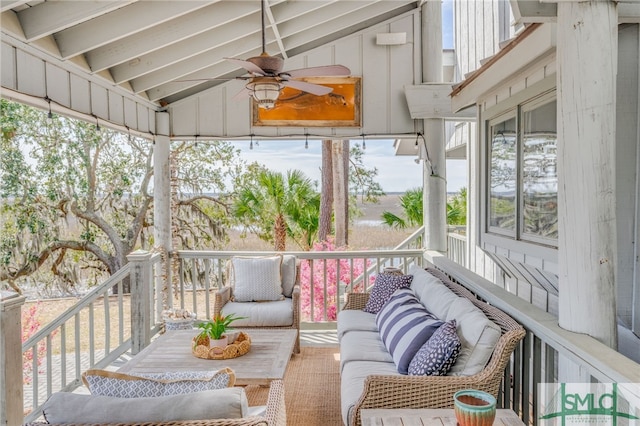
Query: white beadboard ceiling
{"type": "Point", "coordinates": [149, 48]}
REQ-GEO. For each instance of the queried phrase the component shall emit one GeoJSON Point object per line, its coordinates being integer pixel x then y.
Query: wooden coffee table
{"type": "Point", "coordinates": [266, 361]}
{"type": "Point", "coordinates": [427, 417]}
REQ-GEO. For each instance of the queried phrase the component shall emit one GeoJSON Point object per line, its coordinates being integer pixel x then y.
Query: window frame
{"type": "Point", "coordinates": [498, 237]}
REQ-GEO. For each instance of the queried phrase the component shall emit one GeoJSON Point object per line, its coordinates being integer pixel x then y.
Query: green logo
{"type": "Point", "coordinates": [582, 405]}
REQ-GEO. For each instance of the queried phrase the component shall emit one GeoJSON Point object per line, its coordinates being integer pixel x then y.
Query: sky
{"type": "Point", "coordinates": [395, 173]}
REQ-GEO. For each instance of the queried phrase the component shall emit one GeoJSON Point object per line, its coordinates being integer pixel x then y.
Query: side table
{"type": "Point", "coordinates": [427, 417]}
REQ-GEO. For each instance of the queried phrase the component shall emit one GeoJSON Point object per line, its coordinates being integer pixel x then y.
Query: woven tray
{"type": "Point", "coordinates": [239, 347]}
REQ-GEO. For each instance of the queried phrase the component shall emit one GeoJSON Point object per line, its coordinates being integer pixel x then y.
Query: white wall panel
{"type": "Point", "coordinates": [34, 75]}
{"type": "Point", "coordinates": [116, 108]}
{"type": "Point", "coordinates": [130, 113]}
{"type": "Point", "coordinates": [30, 72]}
{"type": "Point", "coordinates": [58, 85]}
{"type": "Point", "coordinates": [80, 94]}
{"type": "Point", "coordinates": [99, 101]}
{"type": "Point", "coordinates": [143, 119]}
{"type": "Point", "coordinates": [8, 67]}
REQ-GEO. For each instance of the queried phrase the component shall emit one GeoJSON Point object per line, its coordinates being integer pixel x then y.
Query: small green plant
{"type": "Point", "coordinates": [217, 327]}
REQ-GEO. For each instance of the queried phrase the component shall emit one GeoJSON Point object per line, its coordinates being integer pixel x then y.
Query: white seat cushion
{"type": "Point", "coordinates": [355, 319]}
{"type": "Point", "coordinates": [363, 346]}
{"type": "Point", "coordinates": [352, 383]}
{"type": "Point", "coordinates": [261, 314]}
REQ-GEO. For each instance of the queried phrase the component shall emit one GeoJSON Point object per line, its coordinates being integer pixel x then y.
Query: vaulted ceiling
{"type": "Point", "coordinates": [165, 51]}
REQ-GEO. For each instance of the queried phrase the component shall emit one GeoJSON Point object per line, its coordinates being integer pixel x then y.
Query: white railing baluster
{"type": "Point", "coordinates": [324, 290]}
{"type": "Point", "coordinates": [194, 289]}
{"type": "Point", "coordinates": [92, 343]}
{"type": "Point", "coordinates": [207, 287]}
{"type": "Point", "coordinates": [120, 314]}
{"type": "Point", "coordinates": [63, 355]}
{"type": "Point", "coordinates": [49, 366]}
{"type": "Point", "coordinates": [107, 323]}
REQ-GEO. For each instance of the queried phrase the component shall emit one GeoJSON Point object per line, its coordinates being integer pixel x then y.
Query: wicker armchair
{"type": "Point", "coordinates": [275, 415]}
{"type": "Point", "coordinates": [437, 391]}
{"type": "Point", "coordinates": [225, 295]}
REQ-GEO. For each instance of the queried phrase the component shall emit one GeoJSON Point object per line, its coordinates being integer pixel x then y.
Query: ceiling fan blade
{"type": "Point", "coordinates": [244, 93]}
{"type": "Point", "coordinates": [249, 66]}
{"type": "Point", "coordinates": [314, 89]}
{"type": "Point", "coordinates": [322, 71]}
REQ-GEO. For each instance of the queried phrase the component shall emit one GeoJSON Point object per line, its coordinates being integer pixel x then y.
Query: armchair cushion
{"type": "Point", "coordinates": [255, 279]}
{"type": "Point", "coordinates": [66, 407]}
{"type": "Point", "coordinates": [261, 314]}
{"type": "Point", "coordinates": [119, 385]}
{"type": "Point", "coordinates": [289, 272]}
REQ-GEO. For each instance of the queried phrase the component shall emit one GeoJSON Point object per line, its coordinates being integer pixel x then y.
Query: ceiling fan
{"type": "Point", "coordinates": [267, 79]}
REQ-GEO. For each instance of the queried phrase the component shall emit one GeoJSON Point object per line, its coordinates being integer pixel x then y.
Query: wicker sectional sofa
{"type": "Point", "coordinates": [369, 376]}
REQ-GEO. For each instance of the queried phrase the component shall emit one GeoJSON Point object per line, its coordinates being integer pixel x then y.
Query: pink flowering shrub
{"type": "Point", "coordinates": [332, 280]}
{"type": "Point", "coordinates": [30, 326]}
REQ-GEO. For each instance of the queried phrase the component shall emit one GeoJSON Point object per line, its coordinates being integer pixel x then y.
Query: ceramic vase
{"type": "Point", "coordinates": [474, 408]}
{"type": "Point", "coordinates": [219, 343]}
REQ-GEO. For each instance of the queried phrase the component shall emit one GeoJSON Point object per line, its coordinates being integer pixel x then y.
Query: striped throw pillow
{"type": "Point", "coordinates": [404, 326]}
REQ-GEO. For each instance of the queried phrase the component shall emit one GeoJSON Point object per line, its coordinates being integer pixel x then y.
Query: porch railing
{"type": "Point", "coordinates": [202, 271]}
{"type": "Point", "coordinates": [93, 333]}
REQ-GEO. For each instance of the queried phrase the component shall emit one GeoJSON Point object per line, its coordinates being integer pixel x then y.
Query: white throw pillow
{"type": "Point", "coordinates": [66, 407]}
{"type": "Point", "coordinates": [256, 279]}
{"type": "Point", "coordinates": [477, 334]}
{"type": "Point", "coordinates": [119, 385]}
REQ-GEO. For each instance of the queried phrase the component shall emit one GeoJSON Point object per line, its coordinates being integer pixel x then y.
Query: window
{"type": "Point", "coordinates": [503, 177]}
{"type": "Point", "coordinates": [522, 179]}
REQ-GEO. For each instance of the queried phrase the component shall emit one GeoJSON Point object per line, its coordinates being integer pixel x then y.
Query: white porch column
{"type": "Point", "coordinates": [434, 171]}
{"type": "Point", "coordinates": [11, 376]}
{"type": "Point", "coordinates": [587, 66]}
{"type": "Point", "coordinates": [162, 198]}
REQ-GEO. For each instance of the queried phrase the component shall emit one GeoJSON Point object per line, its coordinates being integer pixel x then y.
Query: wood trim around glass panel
{"type": "Point", "coordinates": [340, 108]}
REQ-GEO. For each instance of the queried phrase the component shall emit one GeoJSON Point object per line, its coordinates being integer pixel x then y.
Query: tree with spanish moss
{"type": "Point", "coordinates": [76, 200]}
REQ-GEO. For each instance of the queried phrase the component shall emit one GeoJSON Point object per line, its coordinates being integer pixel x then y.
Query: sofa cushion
{"type": "Point", "coordinates": [119, 385]}
{"type": "Point", "coordinates": [404, 326]}
{"type": "Point", "coordinates": [383, 287]}
{"type": "Point", "coordinates": [436, 357]}
{"type": "Point", "coordinates": [289, 273]}
{"type": "Point", "coordinates": [478, 336]}
{"type": "Point", "coordinates": [432, 293]}
{"type": "Point", "coordinates": [66, 407]}
{"type": "Point", "coordinates": [261, 314]}
{"type": "Point", "coordinates": [256, 278]}
{"type": "Point", "coordinates": [363, 346]}
{"type": "Point", "coordinates": [355, 320]}
{"type": "Point", "coordinates": [352, 383]}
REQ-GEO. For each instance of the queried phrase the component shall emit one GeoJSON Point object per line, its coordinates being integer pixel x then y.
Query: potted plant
{"type": "Point", "coordinates": [214, 330]}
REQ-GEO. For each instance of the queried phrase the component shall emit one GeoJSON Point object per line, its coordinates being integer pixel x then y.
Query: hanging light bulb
{"type": "Point", "coordinates": [306, 141]}
{"type": "Point", "coordinates": [364, 143]}
{"type": "Point", "coordinates": [49, 114]}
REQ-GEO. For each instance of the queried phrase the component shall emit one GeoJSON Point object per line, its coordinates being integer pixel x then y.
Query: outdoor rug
{"type": "Point", "coordinates": [311, 386]}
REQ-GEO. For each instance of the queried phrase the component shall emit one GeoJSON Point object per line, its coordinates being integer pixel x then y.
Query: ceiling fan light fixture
{"type": "Point", "coordinates": [265, 93]}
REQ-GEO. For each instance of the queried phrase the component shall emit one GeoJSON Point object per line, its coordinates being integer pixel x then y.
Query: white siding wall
{"type": "Point", "coordinates": [385, 70]}
{"type": "Point", "coordinates": [29, 76]}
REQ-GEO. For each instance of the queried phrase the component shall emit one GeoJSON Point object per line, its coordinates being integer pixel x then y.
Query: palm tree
{"type": "Point", "coordinates": [276, 205]}
{"type": "Point", "coordinates": [411, 203]}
